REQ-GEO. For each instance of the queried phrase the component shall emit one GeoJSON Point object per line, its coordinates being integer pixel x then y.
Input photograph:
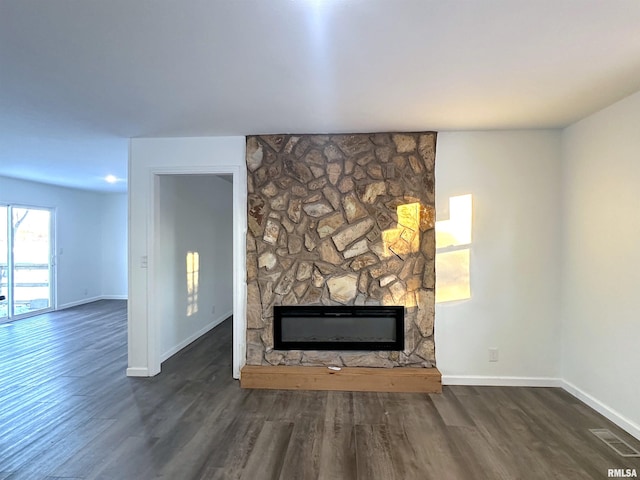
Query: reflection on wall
{"type": "Point", "coordinates": [405, 238]}
{"type": "Point", "coordinates": [193, 272]}
{"type": "Point", "coordinates": [453, 245]}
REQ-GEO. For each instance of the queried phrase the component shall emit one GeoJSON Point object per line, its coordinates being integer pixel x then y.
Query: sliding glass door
{"type": "Point", "coordinates": [25, 260]}
{"type": "Point", "coordinates": [4, 262]}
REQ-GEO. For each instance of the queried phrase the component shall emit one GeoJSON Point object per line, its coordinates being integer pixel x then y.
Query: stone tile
{"type": "Point", "coordinates": [357, 359]}
{"type": "Point", "coordinates": [271, 232]}
{"type": "Point", "coordinates": [274, 358]}
{"type": "Point", "coordinates": [352, 145]}
{"type": "Point", "coordinates": [297, 170]}
{"type": "Point", "coordinates": [346, 185]}
{"type": "Point", "coordinates": [387, 279]}
{"type": "Point", "coordinates": [372, 191]}
{"type": "Point", "coordinates": [426, 350]}
{"type": "Point", "coordinates": [328, 253]}
{"type": "Point", "coordinates": [356, 249]}
{"type": "Point", "coordinates": [270, 189]}
{"type": "Point", "coordinates": [304, 271]}
{"type": "Point", "coordinates": [404, 143]}
{"type": "Point", "coordinates": [254, 154]}
{"type": "Point", "coordinates": [375, 171]}
{"type": "Point", "coordinates": [363, 261]}
{"type": "Point", "coordinates": [280, 202]}
{"type": "Point", "coordinates": [314, 157]}
{"type": "Point", "coordinates": [343, 288]}
{"type": "Point", "coordinates": [329, 224]}
{"type": "Point", "coordinates": [318, 209]}
{"type": "Point", "coordinates": [333, 196]}
{"type": "Point", "coordinates": [353, 209]}
{"type": "Point", "coordinates": [352, 233]}
{"type": "Point", "coordinates": [317, 184]}
{"type": "Point", "coordinates": [274, 141]}
{"type": "Point", "coordinates": [333, 153]}
{"type": "Point", "coordinates": [333, 172]}
{"type": "Point", "coordinates": [291, 143]}
{"type": "Point", "coordinates": [300, 288]}
{"type": "Point", "coordinates": [384, 153]}
{"type": "Point", "coordinates": [317, 279]}
{"type": "Point", "coordinates": [319, 358]}
{"type": "Point", "coordinates": [294, 244]}
{"type": "Point", "coordinates": [313, 296]}
{"type": "Point", "coordinates": [309, 242]}
{"type": "Point", "coordinates": [267, 260]}
{"type": "Point", "coordinates": [317, 171]}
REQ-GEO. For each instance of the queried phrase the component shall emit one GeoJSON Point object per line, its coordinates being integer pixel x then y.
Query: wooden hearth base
{"type": "Point", "coordinates": [354, 379]}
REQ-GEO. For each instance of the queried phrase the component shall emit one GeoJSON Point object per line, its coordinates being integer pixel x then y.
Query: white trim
{"type": "Point", "coordinates": [153, 326]}
{"type": "Point", "coordinates": [480, 380]}
{"type": "Point", "coordinates": [137, 372]}
{"type": "Point", "coordinates": [617, 418]}
{"type": "Point", "coordinates": [129, 271]}
{"type": "Point", "coordinates": [79, 302]}
{"type": "Point", "coordinates": [91, 300]}
{"type": "Point", "coordinates": [173, 350]}
{"type": "Point", "coordinates": [239, 341]}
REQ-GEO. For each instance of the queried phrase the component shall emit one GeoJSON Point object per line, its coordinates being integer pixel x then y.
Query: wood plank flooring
{"type": "Point", "coordinates": [67, 410]}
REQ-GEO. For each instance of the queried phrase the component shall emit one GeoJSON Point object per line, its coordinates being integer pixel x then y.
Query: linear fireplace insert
{"type": "Point", "coordinates": [316, 327]}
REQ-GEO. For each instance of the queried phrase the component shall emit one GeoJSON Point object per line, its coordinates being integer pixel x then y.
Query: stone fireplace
{"type": "Point", "coordinates": [341, 220]}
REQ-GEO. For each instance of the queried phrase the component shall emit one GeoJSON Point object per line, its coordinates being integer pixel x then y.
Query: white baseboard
{"type": "Point", "coordinates": [78, 302]}
{"type": "Point", "coordinates": [137, 372]}
{"type": "Point", "coordinates": [487, 381]}
{"type": "Point", "coordinates": [90, 300]}
{"type": "Point", "coordinates": [172, 351]}
{"type": "Point", "coordinates": [620, 420]}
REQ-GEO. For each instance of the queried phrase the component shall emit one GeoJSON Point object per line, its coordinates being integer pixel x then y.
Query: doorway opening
{"type": "Point", "coordinates": [193, 257]}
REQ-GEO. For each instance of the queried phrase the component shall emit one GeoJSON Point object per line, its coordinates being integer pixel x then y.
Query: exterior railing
{"type": "Point", "coordinates": [30, 290]}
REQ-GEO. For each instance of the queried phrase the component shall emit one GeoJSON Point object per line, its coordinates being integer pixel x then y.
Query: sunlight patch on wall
{"type": "Point", "coordinates": [193, 280]}
{"type": "Point", "coordinates": [453, 247]}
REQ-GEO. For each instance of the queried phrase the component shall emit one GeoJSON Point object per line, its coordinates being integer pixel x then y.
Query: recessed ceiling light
{"type": "Point", "coordinates": [110, 179]}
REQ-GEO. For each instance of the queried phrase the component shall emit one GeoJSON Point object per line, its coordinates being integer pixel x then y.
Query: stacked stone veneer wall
{"type": "Point", "coordinates": [325, 228]}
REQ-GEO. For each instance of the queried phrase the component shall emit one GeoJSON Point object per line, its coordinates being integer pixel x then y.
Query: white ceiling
{"type": "Point", "coordinates": [78, 78]}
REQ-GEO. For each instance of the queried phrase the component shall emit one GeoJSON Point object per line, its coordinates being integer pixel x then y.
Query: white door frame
{"type": "Point", "coordinates": [239, 260]}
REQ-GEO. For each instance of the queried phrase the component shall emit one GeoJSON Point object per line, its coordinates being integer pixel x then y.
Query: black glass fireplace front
{"type": "Point", "coordinates": [315, 327]}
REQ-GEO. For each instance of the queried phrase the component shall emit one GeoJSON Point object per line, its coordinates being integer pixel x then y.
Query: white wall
{"type": "Point", "coordinates": [79, 234]}
{"type": "Point", "coordinates": [114, 246]}
{"type": "Point", "coordinates": [196, 215]}
{"type": "Point", "coordinates": [514, 179]}
{"type": "Point", "coordinates": [601, 260]}
{"type": "Point", "coordinates": [149, 158]}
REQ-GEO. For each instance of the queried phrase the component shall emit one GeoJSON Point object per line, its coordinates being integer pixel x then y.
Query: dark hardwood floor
{"type": "Point", "coordinates": [67, 410]}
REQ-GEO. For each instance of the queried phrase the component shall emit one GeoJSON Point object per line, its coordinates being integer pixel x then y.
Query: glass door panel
{"type": "Point", "coordinates": [31, 266]}
{"type": "Point", "coordinates": [4, 262]}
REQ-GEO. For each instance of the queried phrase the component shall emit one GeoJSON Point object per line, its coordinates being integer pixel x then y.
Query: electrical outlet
{"type": "Point", "coordinates": [493, 354]}
{"type": "Point", "coordinates": [213, 309]}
